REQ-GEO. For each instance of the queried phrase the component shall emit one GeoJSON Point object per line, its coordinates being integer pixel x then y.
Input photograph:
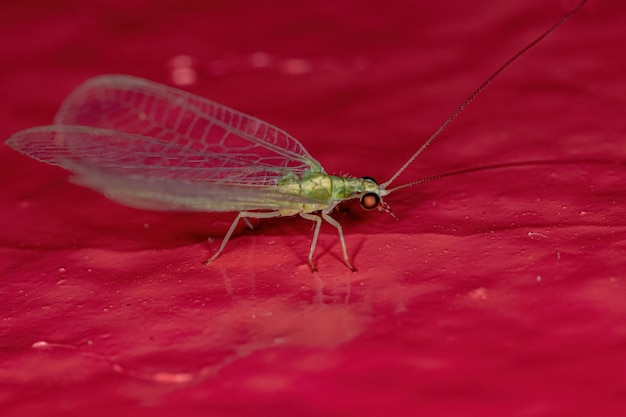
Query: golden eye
{"type": "Point", "coordinates": [370, 201]}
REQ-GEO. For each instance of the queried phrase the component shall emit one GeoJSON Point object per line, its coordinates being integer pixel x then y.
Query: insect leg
{"type": "Point", "coordinates": [316, 234]}
{"type": "Point", "coordinates": [242, 215]}
{"type": "Point", "coordinates": [247, 222]}
{"type": "Point", "coordinates": [344, 249]}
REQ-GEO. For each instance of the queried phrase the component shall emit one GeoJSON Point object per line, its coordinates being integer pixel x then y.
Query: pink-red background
{"type": "Point", "coordinates": [496, 293]}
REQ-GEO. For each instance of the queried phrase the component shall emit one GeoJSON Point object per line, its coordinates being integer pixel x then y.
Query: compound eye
{"type": "Point", "coordinates": [370, 201]}
{"type": "Point", "coordinates": [371, 179]}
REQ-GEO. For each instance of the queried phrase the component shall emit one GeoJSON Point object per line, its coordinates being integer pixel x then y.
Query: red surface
{"type": "Point", "coordinates": [499, 292]}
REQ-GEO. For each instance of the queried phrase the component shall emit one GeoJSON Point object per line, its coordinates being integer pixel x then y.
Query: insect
{"type": "Point", "coordinates": [151, 146]}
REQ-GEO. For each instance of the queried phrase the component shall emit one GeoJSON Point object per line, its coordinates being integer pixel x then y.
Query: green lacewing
{"type": "Point", "coordinates": [151, 146]}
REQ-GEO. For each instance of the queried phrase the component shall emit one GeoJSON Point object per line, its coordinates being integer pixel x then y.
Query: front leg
{"type": "Point", "coordinates": [344, 248]}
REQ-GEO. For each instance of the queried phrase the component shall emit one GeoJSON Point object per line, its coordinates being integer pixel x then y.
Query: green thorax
{"type": "Point", "coordinates": [326, 188]}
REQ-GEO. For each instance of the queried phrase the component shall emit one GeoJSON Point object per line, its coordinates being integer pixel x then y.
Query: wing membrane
{"type": "Point", "coordinates": [129, 169]}
{"type": "Point", "coordinates": [164, 132]}
{"type": "Point", "coordinates": [152, 146]}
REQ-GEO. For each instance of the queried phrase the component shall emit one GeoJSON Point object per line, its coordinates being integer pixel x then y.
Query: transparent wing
{"type": "Point", "coordinates": [149, 173]}
{"type": "Point", "coordinates": [170, 134]}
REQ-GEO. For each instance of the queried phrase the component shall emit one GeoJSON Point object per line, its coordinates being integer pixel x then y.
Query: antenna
{"type": "Point", "coordinates": [472, 96]}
